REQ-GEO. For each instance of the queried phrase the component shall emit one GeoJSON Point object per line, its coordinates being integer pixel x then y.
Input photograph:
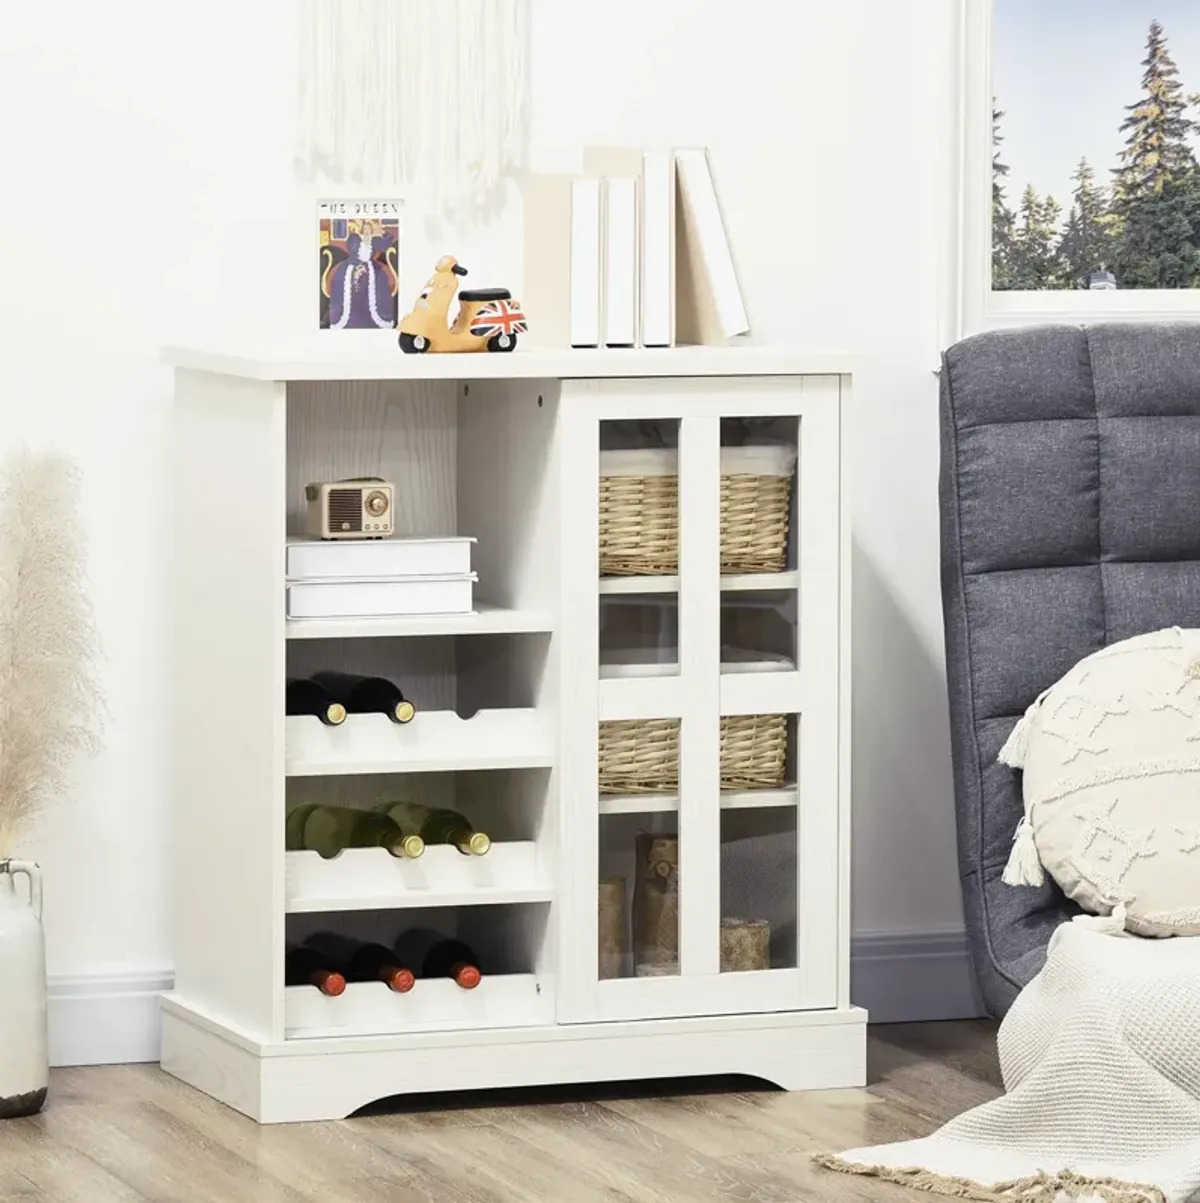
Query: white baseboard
{"type": "Point", "coordinates": [105, 1018]}
{"type": "Point", "coordinates": [909, 977]}
{"type": "Point", "coordinates": [109, 1019]}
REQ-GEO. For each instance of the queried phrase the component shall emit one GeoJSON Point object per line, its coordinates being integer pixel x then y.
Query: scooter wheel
{"type": "Point", "coordinates": [502, 342]}
{"type": "Point", "coordinates": [413, 344]}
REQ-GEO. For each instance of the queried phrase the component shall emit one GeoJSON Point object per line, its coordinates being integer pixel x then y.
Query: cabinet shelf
{"type": "Point", "coordinates": [361, 879]}
{"type": "Point", "coordinates": [747, 799]}
{"type": "Point", "coordinates": [744, 582]}
{"type": "Point", "coordinates": [487, 620]}
{"type": "Point", "coordinates": [507, 1000]}
{"type": "Point", "coordinates": [434, 742]}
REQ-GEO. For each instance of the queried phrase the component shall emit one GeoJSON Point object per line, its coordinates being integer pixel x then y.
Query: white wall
{"type": "Point", "coordinates": [146, 178]}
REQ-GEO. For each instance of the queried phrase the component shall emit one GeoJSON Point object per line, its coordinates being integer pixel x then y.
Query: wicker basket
{"type": "Point", "coordinates": [639, 511]}
{"type": "Point", "coordinates": [641, 756]}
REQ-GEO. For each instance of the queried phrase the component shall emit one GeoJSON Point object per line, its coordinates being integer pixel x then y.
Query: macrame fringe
{"type": "Point", "coordinates": [1024, 866]}
{"type": "Point", "coordinates": [428, 96]}
{"type": "Point", "coordinates": [1039, 1188]}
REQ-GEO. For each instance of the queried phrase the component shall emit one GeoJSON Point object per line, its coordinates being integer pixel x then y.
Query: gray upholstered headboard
{"type": "Point", "coordinates": [1070, 516]}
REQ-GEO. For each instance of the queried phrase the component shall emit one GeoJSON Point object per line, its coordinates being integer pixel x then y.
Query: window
{"type": "Point", "coordinates": [1082, 159]}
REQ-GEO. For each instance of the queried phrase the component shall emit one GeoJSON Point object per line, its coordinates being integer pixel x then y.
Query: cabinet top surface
{"type": "Point", "coordinates": [344, 356]}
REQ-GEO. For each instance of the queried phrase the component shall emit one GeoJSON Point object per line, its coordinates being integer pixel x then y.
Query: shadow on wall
{"type": "Point", "coordinates": [904, 837]}
{"type": "Point", "coordinates": [903, 789]}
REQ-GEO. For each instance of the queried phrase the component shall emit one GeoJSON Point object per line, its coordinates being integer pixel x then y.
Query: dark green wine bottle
{"type": "Point", "coordinates": [294, 825]}
{"type": "Point", "coordinates": [307, 697]}
{"type": "Point", "coordinates": [367, 695]}
{"type": "Point", "coordinates": [437, 825]}
{"type": "Point", "coordinates": [330, 829]}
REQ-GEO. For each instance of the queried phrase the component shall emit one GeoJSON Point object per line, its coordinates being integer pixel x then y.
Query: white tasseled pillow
{"type": "Point", "coordinates": [1111, 759]}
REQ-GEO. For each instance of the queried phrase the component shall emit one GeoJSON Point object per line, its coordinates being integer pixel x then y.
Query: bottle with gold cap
{"type": "Point", "coordinates": [329, 829]}
{"type": "Point", "coordinates": [308, 697]}
{"type": "Point", "coordinates": [367, 695]}
{"type": "Point", "coordinates": [437, 825]}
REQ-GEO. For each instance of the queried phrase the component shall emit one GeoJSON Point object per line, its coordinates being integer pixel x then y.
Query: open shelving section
{"type": "Point", "coordinates": [655, 738]}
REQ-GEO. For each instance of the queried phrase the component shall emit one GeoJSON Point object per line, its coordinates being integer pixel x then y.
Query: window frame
{"type": "Point", "coordinates": [978, 307]}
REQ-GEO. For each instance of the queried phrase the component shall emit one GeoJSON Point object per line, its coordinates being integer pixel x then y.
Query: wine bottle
{"type": "Point", "coordinates": [378, 963]}
{"type": "Point", "coordinates": [330, 829]}
{"type": "Point", "coordinates": [439, 956]}
{"type": "Point", "coordinates": [360, 962]}
{"type": "Point", "coordinates": [294, 826]}
{"type": "Point", "coordinates": [437, 825]}
{"type": "Point", "coordinates": [307, 697]}
{"type": "Point", "coordinates": [304, 966]}
{"type": "Point", "coordinates": [367, 695]}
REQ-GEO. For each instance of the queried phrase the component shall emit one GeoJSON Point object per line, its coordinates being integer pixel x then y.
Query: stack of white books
{"type": "Point", "coordinates": [378, 578]}
{"type": "Point", "coordinates": [632, 253]}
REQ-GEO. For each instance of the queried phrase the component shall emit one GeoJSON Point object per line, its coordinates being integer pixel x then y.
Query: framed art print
{"type": "Point", "coordinates": [358, 260]}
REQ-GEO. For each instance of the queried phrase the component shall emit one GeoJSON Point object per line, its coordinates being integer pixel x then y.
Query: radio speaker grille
{"type": "Point", "coordinates": [345, 509]}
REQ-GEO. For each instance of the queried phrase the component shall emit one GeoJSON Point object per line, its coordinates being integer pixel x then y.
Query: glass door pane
{"type": "Point", "coordinates": [639, 868]}
{"type": "Point", "coordinates": [758, 889]}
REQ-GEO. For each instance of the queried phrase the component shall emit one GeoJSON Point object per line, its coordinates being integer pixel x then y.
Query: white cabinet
{"type": "Point", "coordinates": [697, 710]}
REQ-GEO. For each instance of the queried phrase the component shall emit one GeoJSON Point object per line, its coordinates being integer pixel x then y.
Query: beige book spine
{"type": "Point", "coordinates": [546, 292]}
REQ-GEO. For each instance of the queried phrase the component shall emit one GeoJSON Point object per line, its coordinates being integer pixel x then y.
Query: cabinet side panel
{"type": "Point", "coordinates": [845, 650]}
{"type": "Point", "coordinates": [508, 498]}
{"type": "Point", "coordinates": [822, 936]}
{"type": "Point", "coordinates": [228, 700]}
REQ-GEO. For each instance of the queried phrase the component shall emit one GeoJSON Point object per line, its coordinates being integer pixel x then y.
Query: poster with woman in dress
{"type": "Point", "coordinates": [359, 264]}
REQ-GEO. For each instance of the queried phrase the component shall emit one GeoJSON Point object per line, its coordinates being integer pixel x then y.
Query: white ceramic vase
{"type": "Point", "coordinates": [24, 1062]}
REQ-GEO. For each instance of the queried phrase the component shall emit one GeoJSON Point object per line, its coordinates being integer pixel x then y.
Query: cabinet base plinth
{"type": "Point", "coordinates": [301, 1080]}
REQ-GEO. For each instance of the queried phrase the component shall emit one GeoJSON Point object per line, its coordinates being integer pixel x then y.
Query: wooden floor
{"type": "Point", "coordinates": [130, 1134]}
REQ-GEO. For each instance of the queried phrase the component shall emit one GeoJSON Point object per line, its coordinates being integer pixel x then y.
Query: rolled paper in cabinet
{"type": "Point", "coordinates": [745, 945]}
{"type": "Point", "coordinates": [612, 926]}
{"type": "Point", "coordinates": [665, 969]}
{"type": "Point", "coordinates": [656, 900]}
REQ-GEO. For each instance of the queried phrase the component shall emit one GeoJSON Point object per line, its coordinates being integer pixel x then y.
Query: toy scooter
{"type": "Point", "coordinates": [488, 318]}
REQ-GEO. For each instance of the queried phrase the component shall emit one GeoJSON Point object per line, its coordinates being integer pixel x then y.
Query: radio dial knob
{"type": "Point", "coordinates": [377, 503]}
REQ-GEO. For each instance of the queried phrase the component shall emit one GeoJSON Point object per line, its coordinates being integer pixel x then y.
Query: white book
{"type": "Point", "coordinates": [380, 599]}
{"type": "Point", "coordinates": [620, 263]}
{"type": "Point", "coordinates": [323, 559]}
{"type": "Point", "coordinates": [658, 249]}
{"type": "Point", "coordinates": [546, 290]}
{"type": "Point", "coordinates": [711, 275]}
{"type": "Point", "coordinates": [585, 263]}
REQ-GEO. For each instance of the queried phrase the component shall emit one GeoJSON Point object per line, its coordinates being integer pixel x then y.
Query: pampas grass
{"type": "Point", "coordinates": [50, 702]}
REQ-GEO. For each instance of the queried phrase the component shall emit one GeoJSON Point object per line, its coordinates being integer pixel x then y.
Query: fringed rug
{"type": "Point", "coordinates": [1100, 1057]}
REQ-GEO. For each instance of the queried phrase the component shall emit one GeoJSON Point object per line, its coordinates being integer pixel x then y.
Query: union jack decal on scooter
{"type": "Point", "coordinates": [499, 317]}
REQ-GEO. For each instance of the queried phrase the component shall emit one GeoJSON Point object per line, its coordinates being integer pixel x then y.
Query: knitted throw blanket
{"type": "Point", "coordinates": [1100, 1057]}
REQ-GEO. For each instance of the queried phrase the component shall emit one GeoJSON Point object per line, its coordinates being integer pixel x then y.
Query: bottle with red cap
{"type": "Point", "coordinates": [378, 963]}
{"type": "Point", "coordinates": [439, 957]}
{"type": "Point", "coordinates": [359, 962]}
{"type": "Point", "coordinates": [305, 966]}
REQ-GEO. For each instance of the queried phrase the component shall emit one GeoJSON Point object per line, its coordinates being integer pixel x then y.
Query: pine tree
{"type": "Point", "coordinates": [1157, 150]}
{"type": "Point", "coordinates": [1003, 220]}
{"type": "Point", "coordinates": [1035, 260]}
{"type": "Point", "coordinates": [1089, 240]}
{"type": "Point", "coordinates": [1157, 192]}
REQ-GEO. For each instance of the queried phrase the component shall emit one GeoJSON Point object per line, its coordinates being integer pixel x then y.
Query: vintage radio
{"type": "Point", "coordinates": [361, 508]}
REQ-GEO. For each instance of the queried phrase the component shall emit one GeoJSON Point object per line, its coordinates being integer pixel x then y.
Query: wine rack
{"type": "Point", "coordinates": [365, 878]}
{"type": "Point", "coordinates": [735, 957]}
